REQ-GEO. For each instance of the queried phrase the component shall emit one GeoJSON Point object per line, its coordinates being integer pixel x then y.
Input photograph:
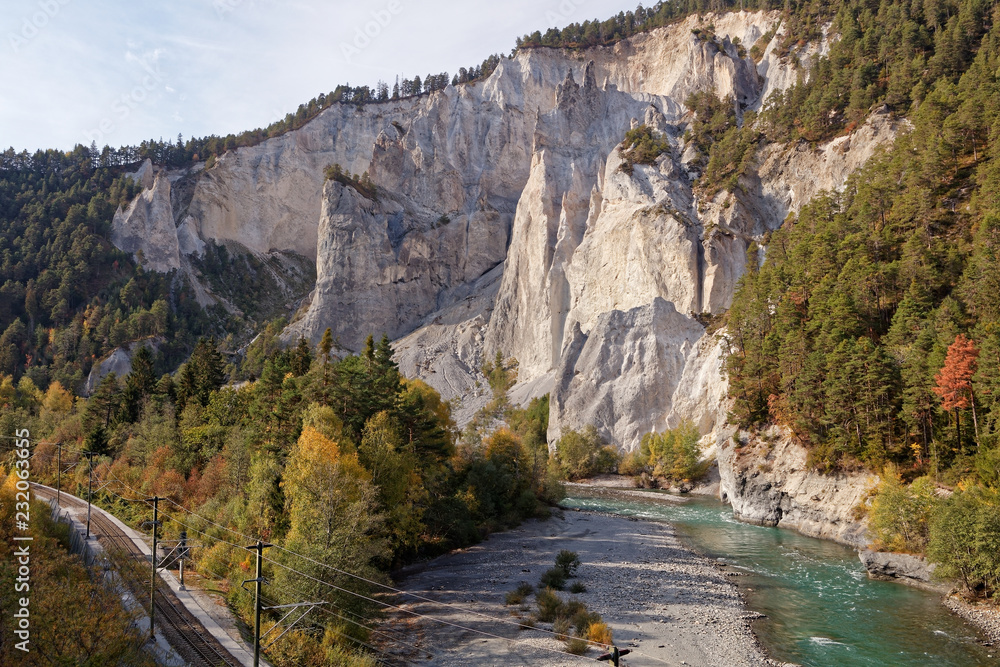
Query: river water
{"type": "Point", "coordinates": [821, 608]}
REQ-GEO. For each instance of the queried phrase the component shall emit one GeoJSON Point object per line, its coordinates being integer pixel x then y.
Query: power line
{"type": "Point", "coordinates": [362, 625]}
{"type": "Point", "coordinates": [378, 602]}
{"type": "Point", "coordinates": [390, 588]}
{"type": "Point", "coordinates": [375, 583]}
{"type": "Point", "coordinates": [387, 636]}
{"type": "Point", "coordinates": [414, 613]}
{"type": "Point", "coordinates": [327, 611]}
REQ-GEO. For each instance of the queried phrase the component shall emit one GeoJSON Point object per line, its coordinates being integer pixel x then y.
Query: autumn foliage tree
{"type": "Point", "coordinates": [953, 383]}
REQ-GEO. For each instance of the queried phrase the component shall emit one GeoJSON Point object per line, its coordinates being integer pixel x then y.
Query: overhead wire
{"type": "Point", "coordinates": [370, 599]}
{"type": "Point", "coordinates": [358, 577]}
{"type": "Point", "coordinates": [390, 637]}
{"type": "Point", "coordinates": [376, 583]}
{"type": "Point", "coordinates": [239, 547]}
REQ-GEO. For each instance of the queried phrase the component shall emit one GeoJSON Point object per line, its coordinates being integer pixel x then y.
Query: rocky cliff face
{"type": "Point", "coordinates": [504, 222]}
{"type": "Point", "coordinates": [767, 481]}
{"type": "Point", "coordinates": [146, 228]}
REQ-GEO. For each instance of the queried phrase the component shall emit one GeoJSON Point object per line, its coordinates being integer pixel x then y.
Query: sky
{"type": "Point", "coordinates": [117, 72]}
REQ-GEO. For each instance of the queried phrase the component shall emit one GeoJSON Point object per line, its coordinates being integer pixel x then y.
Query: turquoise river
{"type": "Point", "coordinates": [821, 609]}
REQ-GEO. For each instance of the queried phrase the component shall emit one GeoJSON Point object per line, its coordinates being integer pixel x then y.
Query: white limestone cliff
{"type": "Point", "coordinates": [146, 228]}
{"type": "Point", "coordinates": [503, 222]}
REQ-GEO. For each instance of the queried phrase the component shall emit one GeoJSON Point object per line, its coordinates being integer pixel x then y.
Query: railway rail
{"type": "Point", "coordinates": [178, 625]}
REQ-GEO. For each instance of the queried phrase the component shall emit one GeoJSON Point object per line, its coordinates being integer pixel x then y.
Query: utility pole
{"type": "Point", "coordinates": [90, 486]}
{"type": "Point", "coordinates": [152, 581]}
{"type": "Point", "coordinates": [58, 472]}
{"type": "Point", "coordinates": [614, 655]}
{"type": "Point", "coordinates": [183, 553]}
{"type": "Point", "coordinates": [259, 548]}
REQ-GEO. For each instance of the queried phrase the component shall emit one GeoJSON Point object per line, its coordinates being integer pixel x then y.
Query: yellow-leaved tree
{"type": "Point", "coordinates": [332, 507]}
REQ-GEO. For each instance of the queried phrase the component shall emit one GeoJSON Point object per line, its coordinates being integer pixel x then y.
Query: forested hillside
{"type": "Point", "coordinates": [67, 295]}
{"type": "Point", "coordinates": [870, 323]}
{"type": "Point", "coordinates": [346, 467]}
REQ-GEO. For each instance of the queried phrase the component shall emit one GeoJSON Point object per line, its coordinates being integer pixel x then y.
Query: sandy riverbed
{"type": "Point", "coordinates": [668, 604]}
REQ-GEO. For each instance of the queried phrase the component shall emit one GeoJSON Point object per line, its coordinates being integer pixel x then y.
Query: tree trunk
{"type": "Point", "coordinates": [926, 450]}
{"type": "Point", "coordinates": [975, 421]}
{"type": "Point", "coordinates": [958, 430]}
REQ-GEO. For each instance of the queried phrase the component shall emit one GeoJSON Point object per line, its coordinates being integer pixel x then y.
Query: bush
{"type": "Point", "coordinates": [899, 517]}
{"type": "Point", "coordinates": [577, 646]}
{"type": "Point", "coordinates": [582, 620]}
{"type": "Point", "coordinates": [642, 145]}
{"type": "Point", "coordinates": [634, 463]}
{"type": "Point", "coordinates": [518, 595]}
{"type": "Point", "coordinates": [965, 539]}
{"type": "Point", "coordinates": [584, 454]}
{"type": "Point", "coordinates": [568, 562]}
{"type": "Point", "coordinates": [561, 627]}
{"type": "Point", "coordinates": [549, 605]}
{"type": "Point", "coordinates": [599, 632]}
{"type": "Point", "coordinates": [362, 184]}
{"type": "Point", "coordinates": [675, 453]}
{"type": "Point", "coordinates": [573, 607]}
{"type": "Point", "coordinates": [554, 577]}
{"type": "Point", "coordinates": [577, 587]}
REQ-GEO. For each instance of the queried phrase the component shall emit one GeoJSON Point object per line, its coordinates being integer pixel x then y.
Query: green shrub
{"type": "Point", "coordinates": [584, 454]}
{"type": "Point", "coordinates": [518, 595]}
{"type": "Point", "coordinates": [561, 627]}
{"type": "Point", "coordinates": [362, 184]}
{"type": "Point", "coordinates": [965, 539]}
{"type": "Point", "coordinates": [568, 561]}
{"type": "Point", "coordinates": [634, 463]}
{"type": "Point", "coordinates": [554, 577]}
{"type": "Point", "coordinates": [577, 587]}
{"type": "Point", "coordinates": [549, 605]}
{"type": "Point", "coordinates": [573, 607]}
{"type": "Point", "coordinates": [577, 646]}
{"type": "Point", "coordinates": [900, 515]}
{"type": "Point", "coordinates": [675, 453]}
{"type": "Point", "coordinates": [583, 619]}
{"type": "Point", "coordinates": [642, 145]}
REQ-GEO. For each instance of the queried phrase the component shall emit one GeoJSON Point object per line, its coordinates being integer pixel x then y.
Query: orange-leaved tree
{"type": "Point", "coordinates": [954, 381]}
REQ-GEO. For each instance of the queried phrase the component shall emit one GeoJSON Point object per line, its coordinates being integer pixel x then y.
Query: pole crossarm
{"type": "Point", "coordinates": [152, 578]}
{"type": "Point", "coordinates": [258, 580]}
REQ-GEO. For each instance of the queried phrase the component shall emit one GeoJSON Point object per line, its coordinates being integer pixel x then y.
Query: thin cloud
{"type": "Point", "coordinates": [227, 65]}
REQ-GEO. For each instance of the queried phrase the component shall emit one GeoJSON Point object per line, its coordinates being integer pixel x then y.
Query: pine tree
{"type": "Point", "coordinates": [301, 358]}
{"type": "Point", "coordinates": [207, 366]}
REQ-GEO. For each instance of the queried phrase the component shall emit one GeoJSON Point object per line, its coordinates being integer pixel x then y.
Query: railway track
{"type": "Point", "coordinates": [173, 620]}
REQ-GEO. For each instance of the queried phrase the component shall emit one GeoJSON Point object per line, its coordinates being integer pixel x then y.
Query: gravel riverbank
{"type": "Point", "coordinates": [669, 605]}
{"type": "Point", "coordinates": [984, 616]}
